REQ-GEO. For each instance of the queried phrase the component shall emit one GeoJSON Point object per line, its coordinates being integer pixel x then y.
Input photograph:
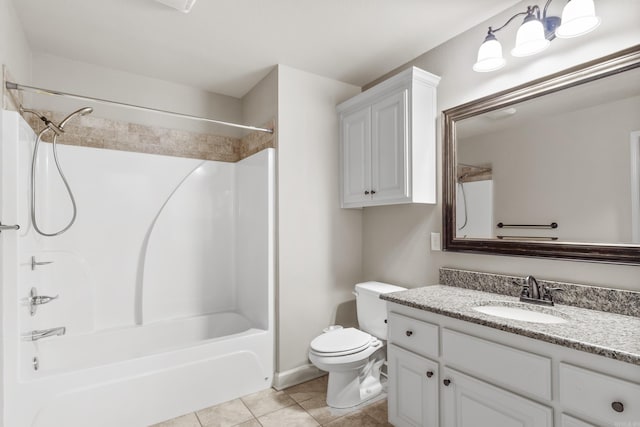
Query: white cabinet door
{"type": "Point", "coordinates": [413, 389]}
{"type": "Point", "coordinates": [389, 149]}
{"type": "Point", "coordinates": [356, 157]}
{"type": "Point", "coordinates": [569, 421]}
{"type": "Point", "coordinates": [468, 402]}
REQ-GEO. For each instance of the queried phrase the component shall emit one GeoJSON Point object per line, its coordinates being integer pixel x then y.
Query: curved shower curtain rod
{"type": "Point", "coordinates": [16, 86]}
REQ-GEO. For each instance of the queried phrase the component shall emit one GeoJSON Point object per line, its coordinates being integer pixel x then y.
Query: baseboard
{"type": "Point", "coordinates": [282, 380]}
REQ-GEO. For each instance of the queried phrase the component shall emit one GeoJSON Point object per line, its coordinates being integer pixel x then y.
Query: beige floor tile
{"type": "Point", "coordinates": [291, 416]}
{"type": "Point", "coordinates": [318, 409]}
{"type": "Point", "coordinates": [357, 419]}
{"type": "Point", "coordinates": [378, 410]}
{"type": "Point", "coordinates": [309, 390]}
{"type": "Point", "coordinates": [250, 423]}
{"type": "Point", "coordinates": [266, 401]}
{"type": "Point", "coordinates": [226, 414]}
{"type": "Point", "coordinates": [188, 420]}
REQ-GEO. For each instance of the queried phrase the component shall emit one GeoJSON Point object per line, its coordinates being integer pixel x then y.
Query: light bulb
{"type": "Point", "coordinates": [578, 18]}
{"type": "Point", "coordinates": [530, 38]}
{"type": "Point", "coordinates": [489, 55]}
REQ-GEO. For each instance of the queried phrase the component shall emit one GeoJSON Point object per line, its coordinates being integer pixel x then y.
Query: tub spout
{"type": "Point", "coordinates": [44, 333]}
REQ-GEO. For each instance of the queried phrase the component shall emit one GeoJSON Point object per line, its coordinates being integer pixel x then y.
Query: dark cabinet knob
{"type": "Point", "coordinates": [446, 382]}
{"type": "Point", "coordinates": [617, 406]}
{"type": "Point", "coordinates": [409, 333]}
{"type": "Point", "coordinates": [373, 191]}
{"type": "Point", "coordinates": [429, 374]}
{"type": "Point", "coordinates": [366, 192]}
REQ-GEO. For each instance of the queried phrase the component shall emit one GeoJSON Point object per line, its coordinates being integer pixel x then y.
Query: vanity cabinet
{"type": "Point", "coordinates": [452, 373]}
{"type": "Point", "coordinates": [413, 389]}
{"type": "Point", "coordinates": [387, 142]}
{"type": "Point", "coordinates": [469, 402]}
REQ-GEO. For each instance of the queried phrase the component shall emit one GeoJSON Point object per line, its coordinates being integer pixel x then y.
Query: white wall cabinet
{"type": "Point", "coordinates": [388, 142]}
{"type": "Point", "coordinates": [487, 378]}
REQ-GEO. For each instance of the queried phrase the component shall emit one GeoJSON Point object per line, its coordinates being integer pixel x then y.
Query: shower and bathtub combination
{"type": "Point", "coordinates": [146, 290]}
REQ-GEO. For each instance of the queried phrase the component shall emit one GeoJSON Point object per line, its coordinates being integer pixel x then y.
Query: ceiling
{"type": "Point", "coordinates": [227, 46]}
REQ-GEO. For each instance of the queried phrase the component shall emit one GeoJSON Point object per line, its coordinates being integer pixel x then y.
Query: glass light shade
{"type": "Point", "coordinates": [489, 56]}
{"type": "Point", "coordinates": [530, 38]}
{"type": "Point", "coordinates": [578, 18]}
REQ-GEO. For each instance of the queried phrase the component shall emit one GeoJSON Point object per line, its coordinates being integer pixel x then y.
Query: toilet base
{"type": "Point", "coordinates": [351, 388]}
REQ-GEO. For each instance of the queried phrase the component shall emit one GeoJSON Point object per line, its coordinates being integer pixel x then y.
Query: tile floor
{"type": "Point", "coordinates": [298, 406]}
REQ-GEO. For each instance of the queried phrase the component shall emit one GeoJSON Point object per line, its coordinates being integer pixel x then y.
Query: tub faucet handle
{"type": "Point", "coordinates": [35, 263]}
{"type": "Point", "coordinates": [35, 300]}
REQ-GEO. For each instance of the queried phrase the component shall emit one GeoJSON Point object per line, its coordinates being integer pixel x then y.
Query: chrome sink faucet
{"type": "Point", "coordinates": [44, 333]}
{"type": "Point", "coordinates": [534, 287]}
{"type": "Point", "coordinates": [532, 292]}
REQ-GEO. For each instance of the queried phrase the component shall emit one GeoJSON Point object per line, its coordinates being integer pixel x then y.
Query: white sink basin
{"type": "Point", "coordinates": [532, 314]}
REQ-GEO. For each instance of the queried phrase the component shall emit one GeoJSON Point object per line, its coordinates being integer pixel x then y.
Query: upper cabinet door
{"type": "Point", "coordinates": [356, 157]}
{"type": "Point", "coordinates": [389, 150]}
{"type": "Point", "coordinates": [393, 160]}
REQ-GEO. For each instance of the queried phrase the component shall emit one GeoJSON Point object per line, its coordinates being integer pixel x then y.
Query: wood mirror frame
{"type": "Point", "coordinates": [597, 252]}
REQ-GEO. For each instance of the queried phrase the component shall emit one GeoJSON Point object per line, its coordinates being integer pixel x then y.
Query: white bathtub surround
{"type": "Point", "coordinates": [165, 284]}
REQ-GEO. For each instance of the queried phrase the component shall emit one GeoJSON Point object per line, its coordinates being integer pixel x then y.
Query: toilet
{"type": "Point", "coordinates": [353, 357]}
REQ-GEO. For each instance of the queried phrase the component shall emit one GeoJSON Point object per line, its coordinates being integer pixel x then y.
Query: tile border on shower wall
{"type": "Point", "coordinates": [591, 297]}
{"type": "Point", "coordinates": [95, 132]}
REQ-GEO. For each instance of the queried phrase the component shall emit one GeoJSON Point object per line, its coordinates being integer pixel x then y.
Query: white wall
{"type": "Point", "coordinates": [53, 72]}
{"type": "Point", "coordinates": [260, 104]}
{"type": "Point", "coordinates": [319, 243]}
{"type": "Point", "coordinates": [395, 238]}
{"type": "Point", "coordinates": [15, 52]}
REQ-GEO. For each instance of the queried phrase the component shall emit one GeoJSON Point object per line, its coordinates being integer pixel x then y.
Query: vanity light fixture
{"type": "Point", "coordinates": [536, 32]}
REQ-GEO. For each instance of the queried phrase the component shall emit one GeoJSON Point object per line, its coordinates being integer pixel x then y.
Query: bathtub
{"type": "Point", "coordinates": [142, 375]}
{"type": "Point", "coordinates": [151, 333]}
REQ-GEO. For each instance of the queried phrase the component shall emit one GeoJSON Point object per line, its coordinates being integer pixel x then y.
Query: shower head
{"type": "Point", "coordinates": [57, 129]}
{"type": "Point", "coordinates": [82, 112]}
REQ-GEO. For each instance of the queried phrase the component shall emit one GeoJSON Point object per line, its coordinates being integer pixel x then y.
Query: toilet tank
{"type": "Point", "coordinates": [372, 311]}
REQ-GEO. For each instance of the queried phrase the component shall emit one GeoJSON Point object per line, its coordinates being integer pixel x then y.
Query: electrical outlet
{"type": "Point", "coordinates": [435, 242]}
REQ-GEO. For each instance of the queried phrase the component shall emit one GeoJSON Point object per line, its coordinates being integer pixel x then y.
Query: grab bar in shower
{"type": "Point", "coordinates": [8, 227]}
{"type": "Point", "coordinates": [44, 333]}
{"type": "Point", "coordinates": [552, 225]}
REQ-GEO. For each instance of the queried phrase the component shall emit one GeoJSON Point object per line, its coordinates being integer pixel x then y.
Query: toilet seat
{"type": "Point", "coordinates": [342, 342]}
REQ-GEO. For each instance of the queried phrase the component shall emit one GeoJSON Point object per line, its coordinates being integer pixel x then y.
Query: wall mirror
{"type": "Point", "coordinates": [550, 168]}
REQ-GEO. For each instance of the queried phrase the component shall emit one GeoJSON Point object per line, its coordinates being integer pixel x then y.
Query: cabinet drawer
{"type": "Point", "coordinates": [412, 334]}
{"type": "Point", "coordinates": [609, 400]}
{"type": "Point", "coordinates": [514, 369]}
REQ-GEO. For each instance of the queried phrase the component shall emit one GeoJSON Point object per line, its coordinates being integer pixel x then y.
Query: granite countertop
{"type": "Point", "coordinates": [610, 335]}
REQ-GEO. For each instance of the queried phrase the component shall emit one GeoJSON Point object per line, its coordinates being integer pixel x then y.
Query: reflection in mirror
{"type": "Point", "coordinates": [562, 158]}
{"type": "Point", "coordinates": [550, 168]}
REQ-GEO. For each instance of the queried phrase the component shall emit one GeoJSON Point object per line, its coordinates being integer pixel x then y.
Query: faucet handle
{"type": "Point", "coordinates": [525, 288]}
{"type": "Point", "coordinates": [548, 293]}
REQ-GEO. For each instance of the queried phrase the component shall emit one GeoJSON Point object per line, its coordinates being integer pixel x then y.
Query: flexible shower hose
{"type": "Point", "coordinates": [34, 162]}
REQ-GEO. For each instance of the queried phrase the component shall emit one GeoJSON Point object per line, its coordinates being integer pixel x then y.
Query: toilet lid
{"type": "Point", "coordinates": [341, 342]}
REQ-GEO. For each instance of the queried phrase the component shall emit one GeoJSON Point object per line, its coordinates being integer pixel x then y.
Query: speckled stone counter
{"type": "Point", "coordinates": [610, 335]}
